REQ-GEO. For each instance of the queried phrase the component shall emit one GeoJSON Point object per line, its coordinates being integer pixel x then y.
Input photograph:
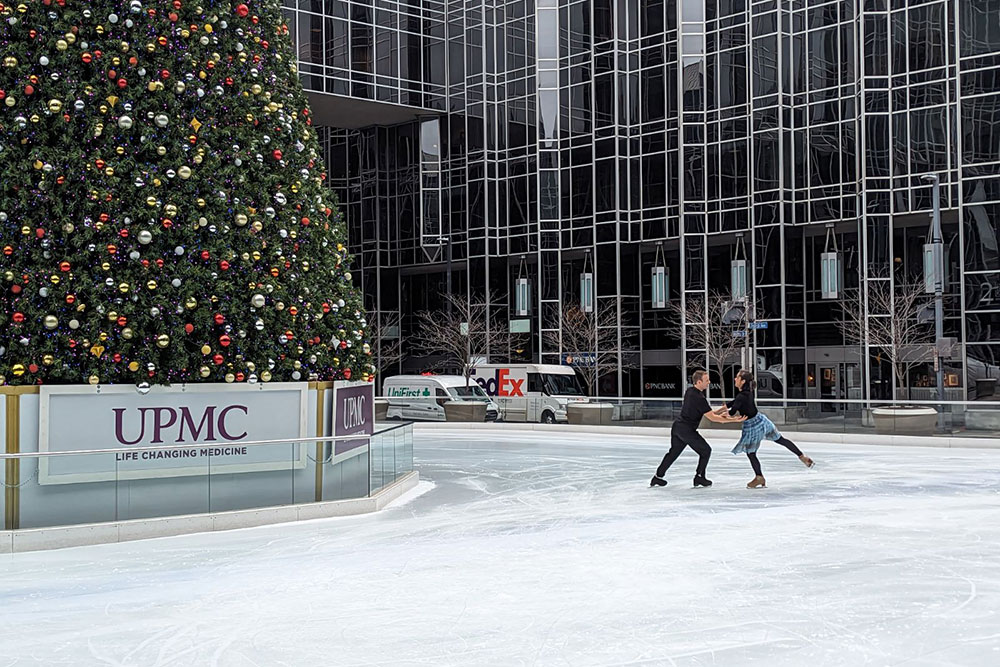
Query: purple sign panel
{"type": "Point", "coordinates": [353, 414]}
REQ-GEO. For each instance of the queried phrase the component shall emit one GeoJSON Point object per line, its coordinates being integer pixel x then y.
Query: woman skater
{"type": "Point", "coordinates": [757, 427]}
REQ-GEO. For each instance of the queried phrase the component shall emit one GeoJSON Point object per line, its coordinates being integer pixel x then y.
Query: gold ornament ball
{"type": "Point", "coordinates": [251, 366]}
{"type": "Point", "coordinates": [68, 228]}
{"type": "Point", "coordinates": [184, 172]}
{"type": "Point", "coordinates": [204, 371]}
{"type": "Point", "coordinates": [230, 377]}
{"type": "Point", "coordinates": [51, 321]}
{"type": "Point", "coordinates": [48, 360]}
{"type": "Point", "coordinates": [266, 376]}
{"type": "Point", "coordinates": [62, 45]}
{"type": "Point", "coordinates": [151, 285]}
{"type": "Point", "coordinates": [162, 340]}
{"type": "Point", "coordinates": [17, 370]}
{"type": "Point", "coordinates": [112, 316]}
{"type": "Point", "coordinates": [93, 379]}
{"type": "Point", "coordinates": [55, 106]}
{"type": "Point", "coordinates": [241, 219]}
{"type": "Point", "coordinates": [257, 226]}
{"type": "Point", "coordinates": [127, 333]}
{"type": "Point", "coordinates": [161, 150]}
{"type": "Point", "coordinates": [133, 366]}
{"type": "Point", "coordinates": [123, 288]}
{"type": "Point", "coordinates": [206, 350]}
{"type": "Point", "coordinates": [191, 303]}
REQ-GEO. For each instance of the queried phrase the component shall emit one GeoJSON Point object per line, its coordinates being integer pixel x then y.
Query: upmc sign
{"type": "Point", "coordinates": [353, 414]}
{"type": "Point", "coordinates": [220, 418]}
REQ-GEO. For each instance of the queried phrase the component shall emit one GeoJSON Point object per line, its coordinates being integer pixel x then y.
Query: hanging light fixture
{"type": "Point", "coordinates": [587, 285]}
{"type": "Point", "coordinates": [660, 282]}
{"type": "Point", "coordinates": [522, 290]}
{"type": "Point", "coordinates": [830, 266]}
{"type": "Point", "coordinates": [738, 271]}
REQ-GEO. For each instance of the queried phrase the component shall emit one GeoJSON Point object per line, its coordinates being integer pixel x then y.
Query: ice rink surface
{"type": "Point", "coordinates": [550, 549]}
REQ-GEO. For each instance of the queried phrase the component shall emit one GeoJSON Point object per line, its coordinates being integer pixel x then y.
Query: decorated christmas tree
{"type": "Point", "coordinates": [163, 212]}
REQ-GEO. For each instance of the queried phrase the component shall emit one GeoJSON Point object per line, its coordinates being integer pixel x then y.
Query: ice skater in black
{"type": "Point", "coordinates": [684, 432]}
{"type": "Point", "coordinates": [757, 427]}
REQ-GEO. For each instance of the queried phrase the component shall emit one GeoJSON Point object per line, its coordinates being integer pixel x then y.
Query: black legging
{"type": "Point", "coordinates": [784, 442]}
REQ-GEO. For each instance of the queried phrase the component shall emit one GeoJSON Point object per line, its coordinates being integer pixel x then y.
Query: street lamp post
{"type": "Point", "coordinates": [936, 281]}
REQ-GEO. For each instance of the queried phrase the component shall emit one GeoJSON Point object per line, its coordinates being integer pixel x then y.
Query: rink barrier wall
{"type": "Point", "coordinates": [39, 539]}
{"type": "Point", "coordinates": [664, 433]}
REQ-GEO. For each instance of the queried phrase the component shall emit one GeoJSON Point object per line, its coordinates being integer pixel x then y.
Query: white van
{"type": "Point", "coordinates": [422, 397]}
{"type": "Point", "coordinates": [530, 392]}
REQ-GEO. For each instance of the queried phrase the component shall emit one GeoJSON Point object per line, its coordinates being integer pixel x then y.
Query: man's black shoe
{"type": "Point", "coordinates": [657, 481]}
{"type": "Point", "coordinates": [700, 480]}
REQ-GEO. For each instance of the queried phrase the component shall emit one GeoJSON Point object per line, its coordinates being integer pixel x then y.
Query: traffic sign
{"type": "Point", "coordinates": [758, 325]}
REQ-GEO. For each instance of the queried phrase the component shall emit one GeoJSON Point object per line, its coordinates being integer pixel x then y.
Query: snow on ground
{"type": "Point", "coordinates": [550, 549]}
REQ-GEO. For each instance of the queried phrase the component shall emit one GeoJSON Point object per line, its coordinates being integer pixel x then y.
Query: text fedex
{"type": "Point", "coordinates": [501, 384]}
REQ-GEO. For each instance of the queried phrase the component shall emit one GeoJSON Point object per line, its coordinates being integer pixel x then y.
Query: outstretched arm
{"type": "Point", "coordinates": [715, 416]}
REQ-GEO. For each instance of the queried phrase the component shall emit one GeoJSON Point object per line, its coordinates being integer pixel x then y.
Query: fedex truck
{"type": "Point", "coordinates": [530, 392]}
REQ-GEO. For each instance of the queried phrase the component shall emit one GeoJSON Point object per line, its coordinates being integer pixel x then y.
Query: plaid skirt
{"type": "Point", "coordinates": [754, 430]}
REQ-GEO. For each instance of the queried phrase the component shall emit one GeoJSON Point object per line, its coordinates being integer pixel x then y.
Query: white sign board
{"type": "Point", "coordinates": [219, 417]}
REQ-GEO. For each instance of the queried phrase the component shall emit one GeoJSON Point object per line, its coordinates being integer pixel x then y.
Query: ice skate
{"type": "Point", "coordinates": [756, 483]}
{"type": "Point", "coordinates": [806, 461]}
{"type": "Point", "coordinates": [700, 480]}
{"type": "Point", "coordinates": [657, 481]}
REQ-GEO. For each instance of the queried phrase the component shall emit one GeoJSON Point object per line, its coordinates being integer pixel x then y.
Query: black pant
{"type": "Point", "coordinates": [784, 442]}
{"type": "Point", "coordinates": [684, 435]}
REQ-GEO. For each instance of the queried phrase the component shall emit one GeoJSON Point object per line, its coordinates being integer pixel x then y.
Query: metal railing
{"type": "Point", "coordinates": [980, 418]}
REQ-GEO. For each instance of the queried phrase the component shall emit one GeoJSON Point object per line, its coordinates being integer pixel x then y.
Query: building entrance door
{"type": "Point", "coordinates": [828, 386]}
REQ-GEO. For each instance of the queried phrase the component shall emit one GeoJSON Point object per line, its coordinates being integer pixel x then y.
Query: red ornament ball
{"type": "Point", "coordinates": [347, 373]}
{"type": "Point", "coordinates": [204, 254]}
{"type": "Point", "coordinates": [224, 265]}
{"type": "Point", "coordinates": [219, 318]}
{"type": "Point", "coordinates": [218, 359]}
{"type": "Point", "coordinates": [242, 10]}
{"type": "Point", "coordinates": [32, 368]}
{"type": "Point", "coordinates": [276, 154]}
{"type": "Point", "coordinates": [224, 340]}
{"type": "Point", "coordinates": [18, 317]}
{"type": "Point", "coordinates": [188, 328]}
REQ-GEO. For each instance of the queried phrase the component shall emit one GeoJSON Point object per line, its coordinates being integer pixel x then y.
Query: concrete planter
{"type": "Point", "coordinates": [905, 420]}
{"type": "Point", "coordinates": [465, 411]}
{"type": "Point", "coordinates": [590, 413]}
{"type": "Point", "coordinates": [381, 409]}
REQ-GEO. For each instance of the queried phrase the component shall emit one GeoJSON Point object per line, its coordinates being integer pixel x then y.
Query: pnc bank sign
{"type": "Point", "coordinates": [222, 419]}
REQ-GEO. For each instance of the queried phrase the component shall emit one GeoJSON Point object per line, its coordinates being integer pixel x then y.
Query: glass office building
{"type": "Point", "coordinates": [544, 139]}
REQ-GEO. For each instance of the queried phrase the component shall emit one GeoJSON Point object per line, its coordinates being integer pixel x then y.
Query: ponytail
{"type": "Point", "coordinates": [749, 384]}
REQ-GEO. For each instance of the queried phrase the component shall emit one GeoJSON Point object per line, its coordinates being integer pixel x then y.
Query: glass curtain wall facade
{"type": "Point", "coordinates": [547, 136]}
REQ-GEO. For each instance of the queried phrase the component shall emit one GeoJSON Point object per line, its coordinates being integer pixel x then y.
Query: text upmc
{"type": "Point", "coordinates": [501, 384]}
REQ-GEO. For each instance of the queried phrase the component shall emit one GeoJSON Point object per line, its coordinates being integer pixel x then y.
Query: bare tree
{"type": "Point", "coordinates": [702, 323]}
{"type": "Point", "coordinates": [889, 323]}
{"type": "Point", "coordinates": [385, 341]}
{"type": "Point", "coordinates": [470, 329]}
{"type": "Point", "coordinates": [590, 341]}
